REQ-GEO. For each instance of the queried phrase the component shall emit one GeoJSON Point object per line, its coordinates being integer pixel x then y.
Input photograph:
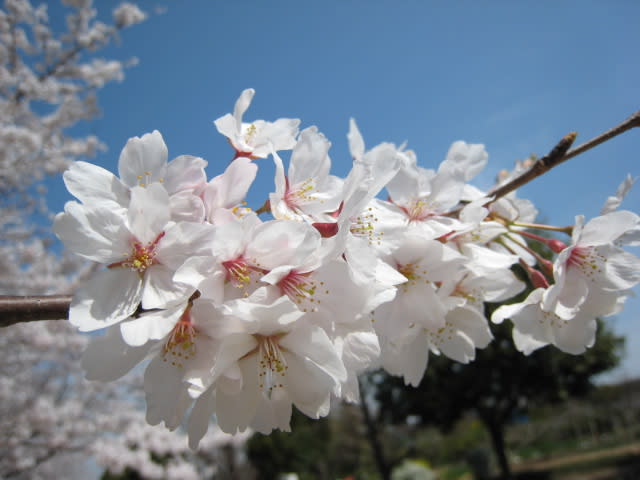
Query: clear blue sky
{"type": "Point", "coordinates": [515, 76]}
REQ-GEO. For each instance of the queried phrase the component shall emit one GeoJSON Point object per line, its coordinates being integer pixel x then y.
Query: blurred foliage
{"type": "Point", "coordinates": [327, 448]}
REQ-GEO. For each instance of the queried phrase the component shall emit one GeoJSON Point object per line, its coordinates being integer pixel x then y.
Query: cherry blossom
{"type": "Point", "coordinates": [534, 327]}
{"type": "Point", "coordinates": [590, 271]}
{"type": "Point", "coordinates": [242, 318]}
{"type": "Point", "coordinates": [142, 251]}
{"type": "Point", "coordinates": [258, 138]}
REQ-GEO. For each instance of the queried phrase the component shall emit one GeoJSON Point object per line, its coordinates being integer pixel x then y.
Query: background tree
{"type": "Point", "coordinates": [497, 386]}
{"type": "Point", "coordinates": [327, 448]}
{"type": "Point", "coordinates": [49, 81]}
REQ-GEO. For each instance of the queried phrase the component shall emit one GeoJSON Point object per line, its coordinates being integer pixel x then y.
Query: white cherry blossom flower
{"type": "Point", "coordinates": [256, 139]}
{"type": "Point", "coordinates": [534, 327]}
{"type": "Point", "coordinates": [590, 271]}
{"type": "Point", "coordinates": [225, 193]}
{"type": "Point", "coordinates": [143, 161]}
{"type": "Point", "coordinates": [278, 361]}
{"type": "Point", "coordinates": [308, 191]}
{"type": "Point", "coordinates": [142, 252]}
{"type": "Point", "coordinates": [407, 330]}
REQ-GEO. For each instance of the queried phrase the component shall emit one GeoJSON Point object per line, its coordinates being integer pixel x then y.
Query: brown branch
{"type": "Point", "coordinates": [17, 309]}
{"type": "Point", "coordinates": [561, 153]}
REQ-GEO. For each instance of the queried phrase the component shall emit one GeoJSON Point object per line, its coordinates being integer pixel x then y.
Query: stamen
{"type": "Point", "coordinates": [414, 274]}
{"type": "Point", "coordinates": [588, 260]}
{"type": "Point", "coordinates": [141, 257]}
{"type": "Point", "coordinates": [271, 363]}
{"type": "Point", "coordinates": [419, 210]}
{"type": "Point", "coordinates": [250, 133]}
{"type": "Point", "coordinates": [239, 272]}
{"type": "Point", "coordinates": [181, 345]}
{"type": "Point", "coordinates": [364, 226]}
{"type": "Point", "coordinates": [144, 180]}
{"type": "Point", "coordinates": [300, 288]}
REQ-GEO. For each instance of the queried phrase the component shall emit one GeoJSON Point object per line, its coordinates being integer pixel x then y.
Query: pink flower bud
{"type": "Point", "coordinates": [556, 245]}
{"type": "Point", "coordinates": [538, 279]}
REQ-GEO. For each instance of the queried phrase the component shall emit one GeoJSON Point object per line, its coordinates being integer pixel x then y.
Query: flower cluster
{"type": "Point", "coordinates": [245, 318]}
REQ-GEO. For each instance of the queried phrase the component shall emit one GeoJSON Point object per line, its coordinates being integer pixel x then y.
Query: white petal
{"type": "Point", "coordinates": [526, 343]}
{"type": "Point", "coordinates": [186, 207]}
{"type": "Point", "coordinates": [93, 185]}
{"type": "Point", "coordinates": [149, 212]}
{"type": "Point", "coordinates": [233, 348]}
{"type": "Point", "coordinates": [184, 240]}
{"type": "Point", "coordinates": [608, 228]}
{"type": "Point", "coordinates": [356, 142]}
{"type": "Point", "coordinates": [468, 158]}
{"type": "Point", "coordinates": [408, 360]}
{"type": "Point", "coordinates": [160, 291]}
{"type": "Point", "coordinates": [310, 158]}
{"type": "Point", "coordinates": [229, 189]}
{"type": "Point", "coordinates": [143, 160]}
{"type": "Point", "coordinates": [576, 335]}
{"type": "Point", "coordinates": [572, 295]}
{"type": "Point", "coordinates": [150, 326]}
{"type": "Point", "coordinates": [200, 417]}
{"type": "Point", "coordinates": [185, 173]}
{"type": "Point", "coordinates": [312, 343]}
{"type": "Point", "coordinates": [612, 203]}
{"type": "Point", "coordinates": [282, 242]}
{"type": "Point", "coordinates": [108, 357]}
{"type": "Point", "coordinates": [509, 311]}
{"type": "Point", "coordinates": [622, 269]}
{"type": "Point", "coordinates": [273, 412]}
{"type": "Point", "coordinates": [308, 386]}
{"type": "Point", "coordinates": [227, 126]}
{"type": "Point", "coordinates": [107, 298]}
{"type": "Point", "coordinates": [242, 104]}
{"type": "Point", "coordinates": [473, 324]}
{"type": "Point", "coordinates": [278, 135]}
{"type": "Point", "coordinates": [235, 412]}
{"type": "Point", "coordinates": [165, 393]}
{"type": "Point", "coordinates": [97, 234]}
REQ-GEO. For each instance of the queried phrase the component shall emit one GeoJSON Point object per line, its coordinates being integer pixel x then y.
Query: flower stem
{"type": "Point", "coordinates": [538, 226]}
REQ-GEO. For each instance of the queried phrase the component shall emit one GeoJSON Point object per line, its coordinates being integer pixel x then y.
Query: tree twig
{"type": "Point", "coordinates": [17, 309]}
{"type": "Point", "coordinates": [561, 153]}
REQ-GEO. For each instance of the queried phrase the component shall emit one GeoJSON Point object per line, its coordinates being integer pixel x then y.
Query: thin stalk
{"type": "Point", "coordinates": [561, 153]}
{"type": "Point", "coordinates": [538, 226]}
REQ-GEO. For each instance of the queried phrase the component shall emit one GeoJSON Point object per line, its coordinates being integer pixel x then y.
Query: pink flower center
{"type": "Point", "coordinates": [271, 363]}
{"type": "Point", "coordinates": [364, 226]}
{"type": "Point", "coordinates": [418, 210]}
{"type": "Point", "coordinates": [414, 273]}
{"type": "Point", "coordinates": [141, 257]}
{"type": "Point", "coordinates": [578, 256]}
{"type": "Point", "coordinates": [297, 195]}
{"type": "Point", "coordinates": [588, 260]}
{"type": "Point", "coordinates": [181, 345]}
{"type": "Point", "coordinates": [300, 288]}
{"type": "Point", "coordinates": [239, 272]}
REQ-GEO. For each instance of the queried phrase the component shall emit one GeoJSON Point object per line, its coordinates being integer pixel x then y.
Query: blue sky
{"type": "Point", "coordinates": [515, 76]}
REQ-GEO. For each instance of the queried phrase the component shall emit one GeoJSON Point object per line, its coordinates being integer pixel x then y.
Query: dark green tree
{"type": "Point", "coordinates": [304, 450]}
{"type": "Point", "coordinates": [497, 386]}
{"type": "Point", "coordinates": [328, 448]}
